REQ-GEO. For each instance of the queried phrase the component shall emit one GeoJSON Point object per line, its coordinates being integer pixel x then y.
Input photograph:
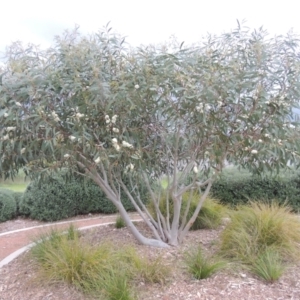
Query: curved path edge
{"type": "Point", "coordinates": [20, 250]}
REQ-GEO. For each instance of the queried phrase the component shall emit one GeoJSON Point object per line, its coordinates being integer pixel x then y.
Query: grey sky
{"type": "Point", "coordinates": [142, 21]}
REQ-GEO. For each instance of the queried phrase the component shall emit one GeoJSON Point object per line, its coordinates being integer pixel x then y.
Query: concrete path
{"type": "Point", "coordinates": [14, 243]}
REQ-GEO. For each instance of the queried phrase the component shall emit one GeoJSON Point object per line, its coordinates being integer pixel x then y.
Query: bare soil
{"type": "Point", "coordinates": [19, 281]}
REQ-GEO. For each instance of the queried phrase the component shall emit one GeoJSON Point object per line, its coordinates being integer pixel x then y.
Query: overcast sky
{"type": "Point", "coordinates": [142, 21]}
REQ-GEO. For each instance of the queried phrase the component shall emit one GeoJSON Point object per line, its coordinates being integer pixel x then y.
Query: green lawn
{"type": "Point", "coordinates": [16, 187]}
{"type": "Point", "coordinates": [19, 183]}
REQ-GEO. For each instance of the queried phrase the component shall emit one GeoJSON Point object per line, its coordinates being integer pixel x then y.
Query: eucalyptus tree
{"type": "Point", "coordinates": [97, 107]}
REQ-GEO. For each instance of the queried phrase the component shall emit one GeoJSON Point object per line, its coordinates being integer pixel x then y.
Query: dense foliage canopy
{"type": "Point", "coordinates": [97, 107]}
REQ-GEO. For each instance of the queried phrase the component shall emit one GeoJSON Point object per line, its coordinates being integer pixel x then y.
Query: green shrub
{"type": "Point", "coordinates": [238, 188]}
{"type": "Point", "coordinates": [255, 228]}
{"type": "Point", "coordinates": [47, 202]}
{"type": "Point", "coordinates": [93, 199]}
{"type": "Point", "coordinates": [6, 191]}
{"type": "Point", "coordinates": [18, 198]}
{"type": "Point", "coordinates": [56, 198]}
{"type": "Point", "coordinates": [210, 215]}
{"type": "Point", "coordinates": [8, 206]}
{"type": "Point", "coordinates": [202, 266]}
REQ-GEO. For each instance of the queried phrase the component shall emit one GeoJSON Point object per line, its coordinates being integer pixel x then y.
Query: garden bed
{"type": "Point", "coordinates": [18, 280]}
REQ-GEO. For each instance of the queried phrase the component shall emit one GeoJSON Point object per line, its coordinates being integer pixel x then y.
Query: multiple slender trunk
{"type": "Point", "coordinates": [166, 232]}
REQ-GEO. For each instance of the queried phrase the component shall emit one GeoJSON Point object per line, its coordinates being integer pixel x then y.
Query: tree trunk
{"type": "Point", "coordinates": [140, 238]}
{"type": "Point", "coordinates": [115, 200]}
{"type": "Point", "coordinates": [175, 222]}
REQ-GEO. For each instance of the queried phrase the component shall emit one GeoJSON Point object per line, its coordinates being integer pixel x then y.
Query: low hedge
{"type": "Point", "coordinates": [47, 202]}
{"type": "Point", "coordinates": [234, 190]}
{"type": "Point", "coordinates": [18, 198]}
{"type": "Point", "coordinates": [8, 205]}
{"type": "Point", "coordinates": [56, 199]}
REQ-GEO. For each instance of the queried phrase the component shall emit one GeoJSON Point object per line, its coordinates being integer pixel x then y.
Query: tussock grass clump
{"type": "Point", "coordinates": [120, 223]}
{"type": "Point", "coordinates": [101, 270]}
{"type": "Point", "coordinates": [210, 215]}
{"type": "Point", "coordinates": [139, 268]}
{"type": "Point", "coordinates": [258, 226]}
{"type": "Point", "coordinates": [114, 284]}
{"type": "Point", "coordinates": [151, 271]}
{"type": "Point", "coordinates": [63, 257]}
{"type": "Point", "coordinates": [202, 266]}
{"type": "Point", "coordinates": [268, 265]}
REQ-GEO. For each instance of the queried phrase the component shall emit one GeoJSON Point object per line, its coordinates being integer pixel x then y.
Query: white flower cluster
{"type": "Point", "coordinates": [129, 167]}
{"type": "Point", "coordinates": [289, 125]}
{"type": "Point", "coordinates": [40, 111]}
{"type": "Point", "coordinates": [137, 155]}
{"type": "Point", "coordinates": [112, 120]}
{"type": "Point", "coordinates": [18, 104]}
{"type": "Point", "coordinates": [115, 144]}
{"type": "Point", "coordinates": [220, 104]}
{"type": "Point", "coordinates": [124, 144]}
{"type": "Point", "coordinates": [283, 103]}
{"type": "Point", "coordinates": [72, 138]}
{"type": "Point", "coordinates": [127, 145]}
{"type": "Point", "coordinates": [244, 116]}
{"type": "Point", "coordinates": [8, 129]}
{"type": "Point", "coordinates": [203, 107]}
{"type": "Point", "coordinates": [23, 150]}
{"type": "Point", "coordinates": [109, 121]}
{"type": "Point", "coordinates": [79, 115]}
{"type": "Point", "coordinates": [97, 160]}
{"type": "Point", "coordinates": [66, 155]}
{"type": "Point", "coordinates": [253, 151]}
{"type": "Point", "coordinates": [195, 169]}
{"type": "Point", "coordinates": [55, 116]}
{"type": "Point", "coordinates": [5, 115]}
